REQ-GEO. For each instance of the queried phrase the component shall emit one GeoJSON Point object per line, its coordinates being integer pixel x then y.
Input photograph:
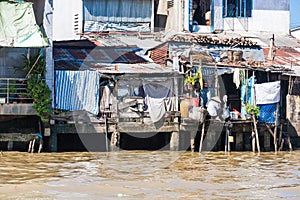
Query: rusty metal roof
{"type": "Point", "coordinates": [284, 56]}
{"type": "Point", "coordinates": [139, 68]}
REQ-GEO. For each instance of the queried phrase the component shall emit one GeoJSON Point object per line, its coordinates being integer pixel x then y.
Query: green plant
{"type": "Point", "coordinates": [252, 109]}
{"type": "Point", "coordinates": [37, 89]}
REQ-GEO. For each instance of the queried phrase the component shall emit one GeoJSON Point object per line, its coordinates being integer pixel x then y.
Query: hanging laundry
{"type": "Point", "coordinates": [106, 99]}
{"type": "Point", "coordinates": [175, 62]}
{"type": "Point", "coordinates": [200, 77]}
{"type": "Point", "coordinates": [160, 98]}
{"type": "Point", "coordinates": [242, 76]}
{"type": "Point", "coordinates": [267, 93]}
{"type": "Point", "coordinates": [236, 78]}
{"type": "Point", "coordinates": [162, 8]}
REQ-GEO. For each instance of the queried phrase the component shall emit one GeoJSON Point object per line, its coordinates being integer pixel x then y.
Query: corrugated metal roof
{"type": "Point", "coordinates": [75, 58]}
{"type": "Point", "coordinates": [142, 68]}
{"type": "Point", "coordinates": [284, 56]}
{"type": "Point", "coordinates": [119, 68]}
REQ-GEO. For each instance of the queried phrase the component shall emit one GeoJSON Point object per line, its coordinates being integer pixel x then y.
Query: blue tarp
{"type": "Point", "coordinates": [77, 90]}
{"type": "Point", "coordinates": [267, 112]}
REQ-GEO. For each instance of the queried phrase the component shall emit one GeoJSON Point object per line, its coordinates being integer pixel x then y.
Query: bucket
{"type": "Point", "coordinates": [184, 108]}
{"type": "Point", "coordinates": [237, 56]}
{"type": "Point", "coordinates": [231, 139]}
{"type": "Point", "coordinates": [230, 55]}
{"type": "Point", "coordinates": [234, 115]}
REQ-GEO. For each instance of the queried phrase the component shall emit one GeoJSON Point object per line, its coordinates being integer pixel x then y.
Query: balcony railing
{"type": "Point", "coordinates": [14, 90]}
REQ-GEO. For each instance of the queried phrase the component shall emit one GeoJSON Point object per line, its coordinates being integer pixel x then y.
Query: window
{"type": "Point", "coordinates": [237, 8]}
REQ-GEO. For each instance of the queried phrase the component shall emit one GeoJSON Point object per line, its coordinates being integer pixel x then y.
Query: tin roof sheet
{"type": "Point", "coordinates": [284, 56]}
{"type": "Point", "coordinates": [65, 58]}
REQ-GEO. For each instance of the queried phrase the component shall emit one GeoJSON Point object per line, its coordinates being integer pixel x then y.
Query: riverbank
{"type": "Point", "coordinates": [148, 175]}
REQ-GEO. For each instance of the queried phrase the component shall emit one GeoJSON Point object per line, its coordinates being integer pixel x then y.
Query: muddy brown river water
{"type": "Point", "coordinates": [150, 175]}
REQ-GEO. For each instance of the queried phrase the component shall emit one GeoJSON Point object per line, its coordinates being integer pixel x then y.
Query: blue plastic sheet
{"type": "Point", "coordinates": [267, 113]}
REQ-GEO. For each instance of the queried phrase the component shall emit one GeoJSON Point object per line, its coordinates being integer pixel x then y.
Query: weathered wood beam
{"type": "Point", "coordinates": [15, 137]}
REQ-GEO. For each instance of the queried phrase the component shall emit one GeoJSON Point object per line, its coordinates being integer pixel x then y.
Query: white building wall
{"type": "Point", "coordinates": [67, 19]}
{"type": "Point", "coordinates": [296, 34]}
{"type": "Point", "coordinates": [273, 21]}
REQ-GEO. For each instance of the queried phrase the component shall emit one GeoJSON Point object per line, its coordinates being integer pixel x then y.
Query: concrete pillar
{"type": "Point", "coordinates": [10, 145]}
{"type": "Point", "coordinates": [115, 141]}
{"type": "Point", "coordinates": [53, 141]}
{"type": "Point", "coordinates": [174, 141]}
{"type": "Point", "coordinates": [239, 141]}
{"type": "Point", "coordinates": [192, 140]}
{"type": "Point", "coordinates": [267, 141]}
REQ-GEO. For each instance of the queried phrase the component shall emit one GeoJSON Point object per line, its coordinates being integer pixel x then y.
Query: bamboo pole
{"type": "Point", "coordinates": [253, 141]}
{"type": "Point", "coordinates": [253, 118]}
{"type": "Point", "coordinates": [290, 144]}
{"type": "Point", "coordinates": [33, 66]}
{"type": "Point", "coordinates": [256, 133]}
{"type": "Point", "coordinates": [202, 137]}
{"type": "Point", "coordinates": [280, 137]}
{"type": "Point", "coordinates": [227, 149]}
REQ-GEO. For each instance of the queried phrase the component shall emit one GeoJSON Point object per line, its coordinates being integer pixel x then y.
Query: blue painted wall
{"type": "Point", "coordinates": [271, 5]}
{"type": "Point", "coordinates": [295, 13]}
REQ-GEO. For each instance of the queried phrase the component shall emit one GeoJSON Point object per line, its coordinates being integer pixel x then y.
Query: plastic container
{"type": "Point", "coordinates": [184, 108]}
{"type": "Point", "coordinates": [234, 115]}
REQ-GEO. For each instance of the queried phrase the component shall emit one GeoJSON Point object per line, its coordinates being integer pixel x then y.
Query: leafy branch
{"type": "Point", "coordinates": [252, 109]}
{"type": "Point", "coordinates": [37, 89]}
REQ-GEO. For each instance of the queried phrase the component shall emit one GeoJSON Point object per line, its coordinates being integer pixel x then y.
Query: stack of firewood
{"type": "Point", "coordinates": [204, 39]}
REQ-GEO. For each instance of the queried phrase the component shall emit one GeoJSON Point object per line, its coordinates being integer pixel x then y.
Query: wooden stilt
{"type": "Point", "coordinates": [29, 148]}
{"type": "Point", "coordinates": [253, 141]}
{"type": "Point", "coordinates": [275, 129]}
{"type": "Point", "coordinates": [192, 141]}
{"type": "Point", "coordinates": [32, 147]}
{"type": "Point", "coordinates": [228, 145]}
{"type": "Point", "coordinates": [290, 144]}
{"type": "Point", "coordinates": [256, 133]}
{"type": "Point", "coordinates": [281, 145]}
{"type": "Point", "coordinates": [227, 137]}
{"type": "Point", "coordinates": [202, 137]}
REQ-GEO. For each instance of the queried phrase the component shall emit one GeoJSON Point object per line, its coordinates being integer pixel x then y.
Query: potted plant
{"type": "Point", "coordinates": [252, 110]}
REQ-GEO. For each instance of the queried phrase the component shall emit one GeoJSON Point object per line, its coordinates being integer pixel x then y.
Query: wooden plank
{"type": "Point", "coordinates": [133, 127]}
{"type": "Point", "coordinates": [17, 109]}
{"type": "Point", "coordinates": [82, 128]}
{"type": "Point", "coordinates": [16, 137]}
{"type": "Point", "coordinates": [124, 105]}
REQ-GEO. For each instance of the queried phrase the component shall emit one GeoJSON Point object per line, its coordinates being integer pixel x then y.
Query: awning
{"type": "Point", "coordinates": [18, 27]}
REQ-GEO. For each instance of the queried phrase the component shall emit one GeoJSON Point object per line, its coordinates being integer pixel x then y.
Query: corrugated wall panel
{"type": "Point", "coordinates": [77, 90]}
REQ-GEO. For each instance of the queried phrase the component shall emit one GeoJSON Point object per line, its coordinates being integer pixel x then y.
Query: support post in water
{"type": "Point", "coordinates": [256, 133]}
{"type": "Point", "coordinates": [174, 141]}
{"type": "Point", "coordinates": [202, 137]}
{"type": "Point", "coordinates": [275, 129]}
